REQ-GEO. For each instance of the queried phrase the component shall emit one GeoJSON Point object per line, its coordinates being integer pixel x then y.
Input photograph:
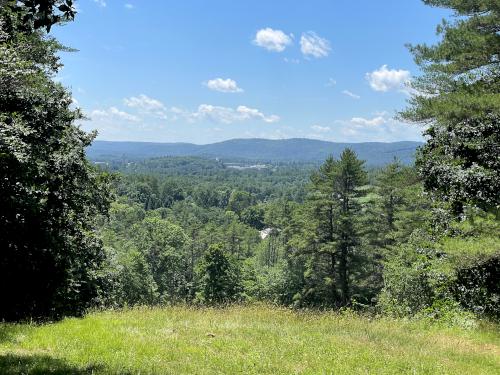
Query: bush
{"type": "Point", "coordinates": [409, 279]}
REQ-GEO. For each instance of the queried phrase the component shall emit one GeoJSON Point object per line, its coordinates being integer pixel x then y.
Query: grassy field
{"type": "Point", "coordinates": [244, 340]}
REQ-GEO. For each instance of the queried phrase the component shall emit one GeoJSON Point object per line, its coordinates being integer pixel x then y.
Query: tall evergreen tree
{"type": "Point", "coordinates": [458, 98]}
{"type": "Point", "coordinates": [336, 189]}
{"type": "Point", "coordinates": [398, 207]}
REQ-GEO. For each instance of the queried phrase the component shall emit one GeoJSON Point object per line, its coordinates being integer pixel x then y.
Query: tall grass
{"type": "Point", "coordinates": [244, 340]}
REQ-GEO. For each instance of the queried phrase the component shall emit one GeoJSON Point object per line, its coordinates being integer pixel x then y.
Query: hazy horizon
{"type": "Point", "coordinates": [254, 138]}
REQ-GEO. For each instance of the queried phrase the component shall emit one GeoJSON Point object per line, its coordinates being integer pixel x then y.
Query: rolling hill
{"type": "Point", "coordinates": [296, 149]}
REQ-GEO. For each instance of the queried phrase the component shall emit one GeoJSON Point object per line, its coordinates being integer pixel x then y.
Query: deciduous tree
{"type": "Point", "coordinates": [50, 195]}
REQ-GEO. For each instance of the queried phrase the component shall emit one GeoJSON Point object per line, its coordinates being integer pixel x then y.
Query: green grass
{"type": "Point", "coordinates": [244, 340]}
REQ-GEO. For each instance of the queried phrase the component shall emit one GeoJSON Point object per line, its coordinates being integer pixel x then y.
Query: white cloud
{"type": "Point", "coordinates": [321, 129]}
{"type": "Point", "coordinates": [101, 3]}
{"type": "Point", "coordinates": [248, 113]}
{"type": "Point", "coordinates": [291, 60]}
{"type": "Point", "coordinates": [113, 113]}
{"type": "Point", "coordinates": [129, 6]}
{"type": "Point", "coordinates": [381, 128]}
{"type": "Point", "coordinates": [351, 94]}
{"type": "Point", "coordinates": [223, 85]}
{"type": "Point", "coordinates": [384, 79]}
{"type": "Point", "coordinates": [149, 119]}
{"type": "Point", "coordinates": [272, 40]}
{"type": "Point", "coordinates": [147, 105]}
{"type": "Point", "coordinates": [143, 102]}
{"type": "Point", "coordinates": [363, 122]}
{"type": "Point", "coordinates": [313, 45]}
{"type": "Point", "coordinates": [229, 115]}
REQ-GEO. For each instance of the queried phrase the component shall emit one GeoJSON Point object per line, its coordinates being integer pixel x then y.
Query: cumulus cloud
{"type": "Point", "coordinates": [321, 129]}
{"type": "Point", "coordinates": [147, 105]}
{"type": "Point", "coordinates": [384, 79]}
{"type": "Point", "coordinates": [145, 118]}
{"type": "Point", "coordinates": [272, 40]}
{"type": "Point", "coordinates": [363, 122]}
{"type": "Point", "coordinates": [351, 94]}
{"type": "Point", "coordinates": [223, 85]}
{"type": "Point", "coordinates": [229, 115]}
{"type": "Point", "coordinates": [313, 45]}
{"type": "Point", "coordinates": [143, 102]}
{"type": "Point", "coordinates": [381, 127]}
{"type": "Point", "coordinates": [248, 113]}
{"type": "Point", "coordinates": [113, 113]}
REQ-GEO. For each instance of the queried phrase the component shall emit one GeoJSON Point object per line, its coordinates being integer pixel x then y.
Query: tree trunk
{"type": "Point", "coordinates": [343, 277]}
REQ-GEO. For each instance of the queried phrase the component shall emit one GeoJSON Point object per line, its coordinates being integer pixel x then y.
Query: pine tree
{"type": "Point", "coordinates": [458, 98]}
{"type": "Point", "coordinates": [336, 189]}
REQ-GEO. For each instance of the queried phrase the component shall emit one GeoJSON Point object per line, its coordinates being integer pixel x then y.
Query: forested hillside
{"type": "Point", "coordinates": [291, 150]}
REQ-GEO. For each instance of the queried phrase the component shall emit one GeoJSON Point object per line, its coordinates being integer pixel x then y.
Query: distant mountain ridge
{"type": "Point", "coordinates": [257, 149]}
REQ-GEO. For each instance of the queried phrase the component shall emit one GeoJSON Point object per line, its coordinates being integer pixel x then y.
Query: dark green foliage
{"type": "Point", "coordinates": [239, 201]}
{"type": "Point", "coordinates": [162, 182]}
{"type": "Point", "coordinates": [135, 281]}
{"type": "Point", "coordinates": [254, 217]}
{"type": "Point", "coordinates": [150, 258]}
{"type": "Point", "coordinates": [38, 14]}
{"type": "Point", "coordinates": [396, 206]}
{"type": "Point", "coordinates": [219, 277]}
{"type": "Point", "coordinates": [437, 273]}
{"type": "Point", "coordinates": [50, 195]}
{"type": "Point", "coordinates": [334, 247]}
{"type": "Point", "coordinates": [161, 244]}
{"type": "Point", "coordinates": [155, 261]}
{"type": "Point", "coordinates": [461, 163]}
{"type": "Point", "coordinates": [458, 97]}
{"type": "Point", "coordinates": [477, 287]}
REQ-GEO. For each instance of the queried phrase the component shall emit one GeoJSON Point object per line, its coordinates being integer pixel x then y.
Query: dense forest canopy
{"type": "Point", "coordinates": [341, 232]}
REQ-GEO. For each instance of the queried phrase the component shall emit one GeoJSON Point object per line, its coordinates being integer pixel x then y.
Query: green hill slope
{"type": "Point", "coordinates": [243, 340]}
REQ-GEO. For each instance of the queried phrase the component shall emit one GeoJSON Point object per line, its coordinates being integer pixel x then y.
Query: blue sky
{"type": "Point", "coordinates": [205, 71]}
